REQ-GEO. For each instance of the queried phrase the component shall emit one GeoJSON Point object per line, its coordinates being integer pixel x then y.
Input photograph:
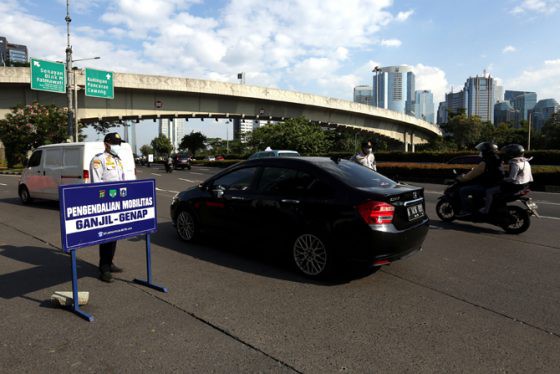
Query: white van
{"type": "Point", "coordinates": [66, 163]}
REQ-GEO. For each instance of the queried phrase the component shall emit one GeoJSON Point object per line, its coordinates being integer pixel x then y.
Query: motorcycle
{"type": "Point", "coordinates": [513, 219]}
{"type": "Point", "coordinates": [168, 167]}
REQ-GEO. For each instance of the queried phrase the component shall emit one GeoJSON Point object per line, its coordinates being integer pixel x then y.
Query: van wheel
{"type": "Point", "coordinates": [24, 195]}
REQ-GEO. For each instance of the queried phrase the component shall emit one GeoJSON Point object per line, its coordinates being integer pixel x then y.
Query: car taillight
{"type": "Point", "coordinates": [85, 176]}
{"type": "Point", "coordinates": [376, 212]}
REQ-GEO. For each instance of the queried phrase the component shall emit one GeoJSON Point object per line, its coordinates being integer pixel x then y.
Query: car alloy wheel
{"type": "Point", "coordinates": [186, 226]}
{"type": "Point", "coordinates": [310, 255]}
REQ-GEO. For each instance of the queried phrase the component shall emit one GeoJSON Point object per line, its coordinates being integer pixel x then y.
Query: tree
{"type": "Point", "coordinates": [296, 134]}
{"type": "Point", "coordinates": [162, 145]}
{"type": "Point", "coordinates": [30, 126]}
{"type": "Point", "coordinates": [146, 150]}
{"type": "Point", "coordinates": [551, 132]}
{"type": "Point", "coordinates": [467, 131]}
{"type": "Point", "coordinates": [193, 142]}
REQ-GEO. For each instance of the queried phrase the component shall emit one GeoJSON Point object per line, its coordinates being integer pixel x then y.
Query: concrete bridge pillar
{"type": "Point", "coordinates": [412, 145]}
{"type": "Point", "coordinates": [405, 140]}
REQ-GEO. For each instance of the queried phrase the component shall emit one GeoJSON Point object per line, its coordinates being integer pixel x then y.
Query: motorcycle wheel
{"type": "Point", "coordinates": [444, 210]}
{"type": "Point", "coordinates": [518, 220]}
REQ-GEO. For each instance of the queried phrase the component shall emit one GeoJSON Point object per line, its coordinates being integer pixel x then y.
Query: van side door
{"type": "Point", "coordinates": [51, 171]}
{"type": "Point", "coordinates": [32, 176]}
{"type": "Point", "coordinates": [71, 171]}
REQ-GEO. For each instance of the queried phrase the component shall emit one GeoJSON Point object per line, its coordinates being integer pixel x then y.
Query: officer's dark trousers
{"type": "Point", "coordinates": [106, 254]}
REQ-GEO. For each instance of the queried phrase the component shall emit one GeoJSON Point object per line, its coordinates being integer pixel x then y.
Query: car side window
{"type": "Point", "coordinates": [35, 159]}
{"type": "Point", "coordinates": [284, 181]}
{"type": "Point", "coordinates": [238, 180]}
{"type": "Point", "coordinates": [53, 158]}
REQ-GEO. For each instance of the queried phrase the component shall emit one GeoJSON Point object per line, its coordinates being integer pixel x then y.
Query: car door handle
{"type": "Point", "coordinates": [238, 198]}
{"type": "Point", "coordinates": [290, 201]}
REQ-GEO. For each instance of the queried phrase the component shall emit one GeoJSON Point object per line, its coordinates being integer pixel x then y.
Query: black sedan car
{"type": "Point", "coordinates": [320, 210]}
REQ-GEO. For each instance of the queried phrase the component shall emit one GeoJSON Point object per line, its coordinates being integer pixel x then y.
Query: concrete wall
{"type": "Point", "coordinates": [136, 96]}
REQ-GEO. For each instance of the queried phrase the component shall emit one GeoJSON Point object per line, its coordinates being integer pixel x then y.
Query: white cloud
{"type": "Point", "coordinates": [536, 6]}
{"type": "Point", "coordinates": [391, 43]}
{"type": "Point", "coordinates": [544, 80]}
{"type": "Point", "coordinates": [431, 78]}
{"type": "Point", "coordinates": [403, 16]}
{"type": "Point", "coordinates": [509, 49]}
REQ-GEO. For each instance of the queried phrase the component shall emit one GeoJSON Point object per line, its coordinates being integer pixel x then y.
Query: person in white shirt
{"type": "Point", "coordinates": [366, 156]}
{"type": "Point", "coordinates": [108, 167]}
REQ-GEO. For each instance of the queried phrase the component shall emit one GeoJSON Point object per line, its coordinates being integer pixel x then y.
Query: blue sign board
{"type": "Point", "coordinates": [105, 212]}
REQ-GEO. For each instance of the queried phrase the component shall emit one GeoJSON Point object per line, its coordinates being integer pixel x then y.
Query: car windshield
{"type": "Point", "coordinates": [357, 175]}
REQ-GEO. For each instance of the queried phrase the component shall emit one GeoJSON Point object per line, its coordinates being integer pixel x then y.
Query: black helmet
{"type": "Point", "coordinates": [513, 150]}
{"type": "Point", "coordinates": [487, 147]}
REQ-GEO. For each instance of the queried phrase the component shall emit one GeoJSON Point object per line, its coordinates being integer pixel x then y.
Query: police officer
{"type": "Point", "coordinates": [108, 167]}
{"type": "Point", "coordinates": [366, 156]}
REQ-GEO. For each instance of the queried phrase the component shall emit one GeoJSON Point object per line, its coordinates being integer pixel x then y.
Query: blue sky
{"type": "Point", "coordinates": [324, 47]}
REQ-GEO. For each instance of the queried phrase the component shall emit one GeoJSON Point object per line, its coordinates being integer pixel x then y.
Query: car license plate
{"type": "Point", "coordinates": [415, 212]}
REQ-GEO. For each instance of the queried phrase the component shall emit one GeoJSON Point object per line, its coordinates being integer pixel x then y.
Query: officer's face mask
{"type": "Point", "coordinates": [115, 149]}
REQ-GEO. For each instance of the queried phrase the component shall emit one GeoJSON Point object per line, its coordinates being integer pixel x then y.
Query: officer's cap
{"type": "Point", "coordinates": [113, 138]}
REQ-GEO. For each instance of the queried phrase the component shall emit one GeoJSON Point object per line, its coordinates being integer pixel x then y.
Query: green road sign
{"type": "Point", "coordinates": [99, 83]}
{"type": "Point", "coordinates": [48, 76]}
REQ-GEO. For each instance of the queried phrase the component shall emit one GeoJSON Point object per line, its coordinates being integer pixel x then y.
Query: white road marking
{"type": "Point", "coordinates": [194, 172]}
{"type": "Point", "coordinates": [186, 180]}
{"type": "Point", "coordinates": [10, 175]}
{"type": "Point", "coordinates": [159, 189]}
{"type": "Point", "coordinates": [546, 202]}
{"type": "Point", "coordinates": [3, 184]}
{"type": "Point", "coordinates": [556, 218]}
{"type": "Point", "coordinates": [159, 175]}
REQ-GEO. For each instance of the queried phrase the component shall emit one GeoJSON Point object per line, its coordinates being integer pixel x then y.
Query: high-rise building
{"type": "Point", "coordinates": [480, 97]}
{"type": "Point", "coordinates": [393, 89]}
{"type": "Point", "coordinates": [424, 105]}
{"type": "Point", "coordinates": [505, 113]}
{"type": "Point", "coordinates": [523, 101]}
{"type": "Point", "coordinates": [363, 94]}
{"type": "Point", "coordinates": [12, 53]}
{"type": "Point", "coordinates": [542, 112]}
{"type": "Point", "coordinates": [455, 102]}
{"type": "Point", "coordinates": [499, 94]}
{"type": "Point", "coordinates": [173, 129]}
{"type": "Point", "coordinates": [442, 113]}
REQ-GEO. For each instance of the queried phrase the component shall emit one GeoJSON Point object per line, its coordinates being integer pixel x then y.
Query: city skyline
{"type": "Point", "coordinates": [325, 48]}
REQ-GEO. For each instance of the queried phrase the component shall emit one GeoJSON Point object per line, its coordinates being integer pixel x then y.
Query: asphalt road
{"type": "Point", "coordinates": [474, 300]}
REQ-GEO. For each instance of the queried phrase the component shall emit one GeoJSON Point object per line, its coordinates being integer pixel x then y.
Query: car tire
{"type": "Point", "coordinates": [24, 195]}
{"type": "Point", "coordinates": [312, 255]}
{"type": "Point", "coordinates": [518, 220]}
{"type": "Point", "coordinates": [187, 226]}
{"type": "Point", "coordinates": [445, 211]}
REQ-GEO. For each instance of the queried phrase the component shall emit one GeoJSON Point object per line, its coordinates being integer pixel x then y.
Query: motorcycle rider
{"type": "Point", "coordinates": [486, 174]}
{"type": "Point", "coordinates": [519, 177]}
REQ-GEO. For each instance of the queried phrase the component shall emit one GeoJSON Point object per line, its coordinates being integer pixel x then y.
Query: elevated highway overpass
{"type": "Point", "coordinates": [140, 97]}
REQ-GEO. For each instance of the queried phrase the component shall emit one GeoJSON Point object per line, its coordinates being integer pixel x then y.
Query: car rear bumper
{"type": "Point", "coordinates": [385, 242]}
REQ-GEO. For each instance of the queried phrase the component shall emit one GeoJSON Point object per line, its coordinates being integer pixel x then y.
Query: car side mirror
{"type": "Point", "coordinates": [218, 191]}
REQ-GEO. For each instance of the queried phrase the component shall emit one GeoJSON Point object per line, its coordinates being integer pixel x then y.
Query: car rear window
{"type": "Point", "coordinates": [288, 154]}
{"type": "Point", "coordinates": [357, 175]}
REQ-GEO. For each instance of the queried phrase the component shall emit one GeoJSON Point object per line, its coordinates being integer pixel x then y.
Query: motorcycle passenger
{"type": "Point", "coordinates": [519, 177]}
{"type": "Point", "coordinates": [488, 173]}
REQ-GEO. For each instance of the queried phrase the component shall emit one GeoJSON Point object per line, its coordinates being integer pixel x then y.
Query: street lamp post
{"type": "Point", "coordinates": [529, 135]}
{"type": "Point", "coordinates": [376, 70]}
{"type": "Point", "coordinates": [75, 88]}
{"type": "Point", "coordinates": [69, 70]}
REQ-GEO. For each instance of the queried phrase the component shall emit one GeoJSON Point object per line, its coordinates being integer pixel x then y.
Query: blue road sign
{"type": "Point", "coordinates": [104, 212]}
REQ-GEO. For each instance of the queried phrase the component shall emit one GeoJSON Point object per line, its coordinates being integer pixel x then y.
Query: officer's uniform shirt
{"type": "Point", "coordinates": [106, 167]}
{"type": "Point", "coordinates": [365, 159]}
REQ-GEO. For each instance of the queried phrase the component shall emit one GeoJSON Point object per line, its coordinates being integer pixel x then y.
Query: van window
{"type": "Point", "coordinates": [35, 159]}
{"type": "Point", "coordinates": [52, 157]}
{"type": "Point", "coordinates": [71, 157]}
